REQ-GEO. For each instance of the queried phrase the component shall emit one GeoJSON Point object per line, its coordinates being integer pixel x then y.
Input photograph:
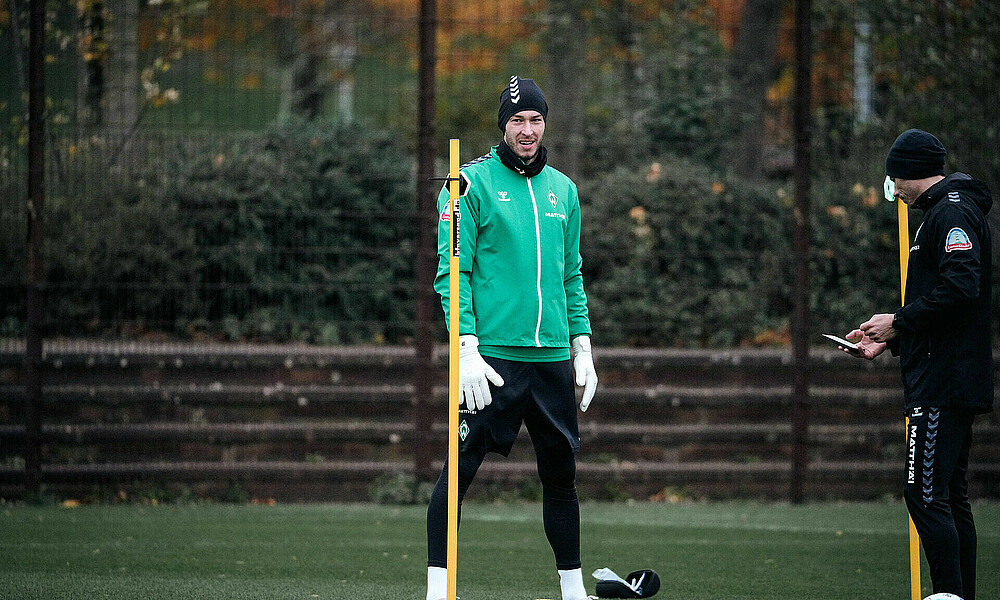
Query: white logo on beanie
{"type": "Point", "coordinates": [515, 90]}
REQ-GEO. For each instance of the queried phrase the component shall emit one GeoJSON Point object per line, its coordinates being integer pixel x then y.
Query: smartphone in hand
{"type": "Point", "coordinates": [851, 347]}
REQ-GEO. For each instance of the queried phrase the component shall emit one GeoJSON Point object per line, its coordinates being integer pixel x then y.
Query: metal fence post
{"type": "Point", "coordinates": [36, 267]}
{"type": "Point", "coordinates": [802, 125]}
{"type": "Point", "coordinates": [423, 366]}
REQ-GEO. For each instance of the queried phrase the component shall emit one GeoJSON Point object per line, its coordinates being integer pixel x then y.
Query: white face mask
{"type": "Point", "coordinates": [890, 189]}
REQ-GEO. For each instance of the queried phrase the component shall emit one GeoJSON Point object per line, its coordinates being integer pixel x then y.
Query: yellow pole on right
{"type": "Point", "coordinates": [904, 260]}
{"type": "Point", "coordinates": [454, 310]}
{"type": "Point", "coordinates": [904, 248]}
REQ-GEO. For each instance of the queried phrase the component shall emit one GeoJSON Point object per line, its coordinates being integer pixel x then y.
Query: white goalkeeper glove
{"type": "Point", "coordinates": [473, 373]}
{"type": "Point", "coordinates": [583, 366]}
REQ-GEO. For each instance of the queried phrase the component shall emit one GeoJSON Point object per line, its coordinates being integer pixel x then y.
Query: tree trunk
{"type": "Point", "coordinates": [565, 91]}
{"type": "Point", "coordinates": [288, 43]}
{"type": "Point", "coordinates": [20, 52]}
{"type": "Point", "coordinates": [752, 68]}
{"type": "Point", "coordinates": [308, 92]}
{"type": "Point", "coordinates": [344, 53]}
{"type": "Point", "coordinates": [121, 91]}
{"type": "Point", "coordinates": [862, 71]}
{"type": "Point", "coordinates": [313, 45]}
{"type": "Point", "coordinates": [90, 79]}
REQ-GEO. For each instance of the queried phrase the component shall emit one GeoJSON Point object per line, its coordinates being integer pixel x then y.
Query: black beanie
{"type": "Point", "coordinates": [520, 94]}
{"type": "Point", "coordinates": [915, 154]}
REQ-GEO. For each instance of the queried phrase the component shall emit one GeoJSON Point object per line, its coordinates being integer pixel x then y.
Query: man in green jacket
{"type": "Point", "coordinates": [524, 327]}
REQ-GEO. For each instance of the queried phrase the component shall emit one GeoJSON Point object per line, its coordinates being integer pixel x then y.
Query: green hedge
{"type": "Point", "coordinates": [676, 255]}
{"type": "Point", "coordinates": [301, 233]}
{"type": "Point", "coordinates": [313, 228]}
{"type": "Point", "coordinates": [307, 233]}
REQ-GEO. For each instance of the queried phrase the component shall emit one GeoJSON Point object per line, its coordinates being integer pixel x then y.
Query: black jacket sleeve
{"type": "Point", "coordinates": [957, 248]}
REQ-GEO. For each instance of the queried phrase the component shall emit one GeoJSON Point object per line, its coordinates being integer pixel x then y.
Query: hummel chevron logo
{"type": "Point", "coordinates": [515, 90]}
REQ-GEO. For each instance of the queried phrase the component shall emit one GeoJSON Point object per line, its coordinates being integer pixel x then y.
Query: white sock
{"type": "Point", "coordinates": [437, 583]}
{"type": "Point", "coordinates": [571, 583]}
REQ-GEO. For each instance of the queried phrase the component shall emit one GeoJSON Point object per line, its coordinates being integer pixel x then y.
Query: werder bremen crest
{"type": "Point", "coordinates": [553, 199]}
{"type": "Point", "coordinates": [463, 430]}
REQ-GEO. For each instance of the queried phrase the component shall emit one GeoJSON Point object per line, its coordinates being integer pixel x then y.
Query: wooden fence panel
{"type": "Point", "coordinates": [302, 423]}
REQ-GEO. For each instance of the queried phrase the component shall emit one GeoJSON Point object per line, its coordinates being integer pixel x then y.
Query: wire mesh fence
{"type": "Point", "coordinates": [245, 170]}
{"type": "Point", "coordinates": [231, 222]}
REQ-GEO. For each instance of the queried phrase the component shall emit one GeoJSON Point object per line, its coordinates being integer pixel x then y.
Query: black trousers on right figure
{"type": "Point", "coordinates": [937, 496]}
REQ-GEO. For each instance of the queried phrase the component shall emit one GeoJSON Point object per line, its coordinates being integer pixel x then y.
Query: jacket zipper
{"type": "Point", "coordinates": [538, 263]}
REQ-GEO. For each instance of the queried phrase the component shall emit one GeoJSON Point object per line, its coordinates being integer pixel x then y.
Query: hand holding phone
{"type": "Point", "coordinates": [850, 347]}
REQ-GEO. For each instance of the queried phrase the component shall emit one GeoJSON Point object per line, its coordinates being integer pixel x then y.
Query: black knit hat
{"type": "Point", "coordinates": [520, 94]}
{"type": "Point", "coordinates": [915, 154]}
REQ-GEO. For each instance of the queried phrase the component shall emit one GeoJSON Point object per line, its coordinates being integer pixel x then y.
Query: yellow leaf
{"type": "Point", "coordinates": [654, 172]}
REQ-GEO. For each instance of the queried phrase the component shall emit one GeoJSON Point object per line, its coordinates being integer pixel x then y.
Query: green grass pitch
{"type": "Point", "coordinates": [723, 551]}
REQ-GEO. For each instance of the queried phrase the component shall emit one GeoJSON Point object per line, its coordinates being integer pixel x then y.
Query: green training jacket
{"type": "Point", "coordinates": [520, 282]}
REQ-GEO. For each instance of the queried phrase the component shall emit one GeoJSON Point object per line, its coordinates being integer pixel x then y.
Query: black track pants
{"type": "Point", "coordinates": [937, 496]}
{"type": "Point", "coordinates": [560, 506]}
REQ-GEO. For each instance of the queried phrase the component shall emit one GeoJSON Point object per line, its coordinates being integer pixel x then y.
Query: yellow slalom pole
{"type": "Point", "coordinates": [904, 261]}
{"type": "Point", "coordinates": [904, 248]}
{"type": "Point", "coordinates": [453, 389]}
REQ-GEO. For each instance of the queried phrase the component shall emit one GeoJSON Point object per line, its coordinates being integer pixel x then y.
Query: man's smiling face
{"type": "Point", "coordinates": [523, 134]}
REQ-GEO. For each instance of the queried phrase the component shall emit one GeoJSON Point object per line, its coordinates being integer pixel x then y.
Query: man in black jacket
{"type": "Point", "coordinates": [942, 335]}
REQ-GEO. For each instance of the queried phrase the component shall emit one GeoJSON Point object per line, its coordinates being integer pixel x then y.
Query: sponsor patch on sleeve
{"type": "Point", "coordinates": [446, 214]}
{"type": "Point", "coordinates": [957, 240]}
